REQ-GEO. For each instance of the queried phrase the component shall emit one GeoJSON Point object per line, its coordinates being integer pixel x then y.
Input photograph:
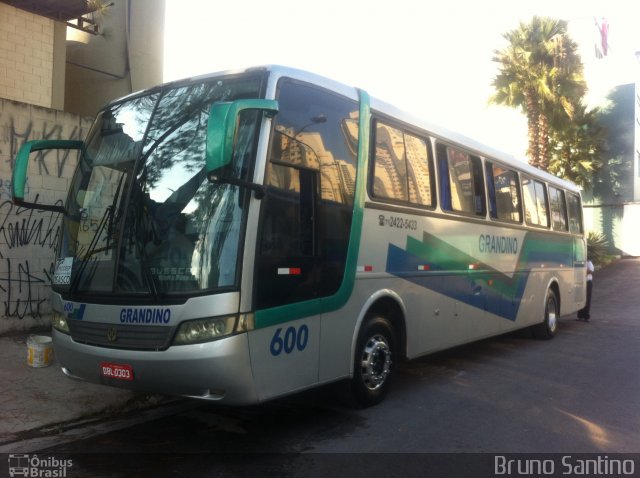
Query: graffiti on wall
{"type": "Point", "coordinates": [28, 237]}
{"type": "Point", "coordinates": [19, 283]}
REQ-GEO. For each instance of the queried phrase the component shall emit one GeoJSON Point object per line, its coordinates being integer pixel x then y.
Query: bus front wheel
{"type": "Point", "coordinates": [548, 328]}
{"type": "Point", "coordinates": [374, 362]}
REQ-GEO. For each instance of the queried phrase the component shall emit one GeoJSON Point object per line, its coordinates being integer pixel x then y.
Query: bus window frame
{"type": "Point", "coordinates": [477, 165]}
{"type": "Point", "coordinates": [371, 169]}
{"type": "Point", "coordinates": [580, 218]}
{"type": "Point", "coordinates": [562, 202]}
{"type": "Point", "coordinates": [491, 162]}
{"type": "Point", "coordinates": [534, 180]}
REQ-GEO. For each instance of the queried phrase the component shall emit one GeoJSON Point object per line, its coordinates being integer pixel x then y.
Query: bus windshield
{"type": "Point", "coordinates": [142, 218]}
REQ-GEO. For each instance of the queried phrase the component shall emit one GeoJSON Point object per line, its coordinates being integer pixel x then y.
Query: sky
{"type": "Point", "coordinates": [431, 59]}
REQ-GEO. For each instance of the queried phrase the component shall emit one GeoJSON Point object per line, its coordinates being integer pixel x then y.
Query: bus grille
{"type": "Point", "coordinates": [134, 337]}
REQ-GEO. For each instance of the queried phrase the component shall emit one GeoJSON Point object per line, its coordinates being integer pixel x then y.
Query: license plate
{"type": "Point", "coordinates": [117, 370]}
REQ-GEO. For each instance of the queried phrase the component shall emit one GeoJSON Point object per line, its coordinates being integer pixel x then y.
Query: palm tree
{"type": "Point", "coordinates": [540, 73]}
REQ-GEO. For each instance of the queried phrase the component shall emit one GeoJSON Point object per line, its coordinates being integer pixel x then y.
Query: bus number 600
{"type": "Point", "coordinates": [292, 339]}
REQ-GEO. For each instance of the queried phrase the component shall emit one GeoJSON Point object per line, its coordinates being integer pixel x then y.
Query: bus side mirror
{"type": "Point", "coordinates": [22, 165]}
{"type": "Point", "coordinates": [221, 129]}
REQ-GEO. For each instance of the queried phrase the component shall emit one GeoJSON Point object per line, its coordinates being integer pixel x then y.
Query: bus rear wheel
{"type": "Point", "coordinates": [374, 362]}
{"type": "Point", "coordinates": [548, 328]}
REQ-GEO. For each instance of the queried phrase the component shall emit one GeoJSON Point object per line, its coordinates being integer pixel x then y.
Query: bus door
{"type": "Point", "coordinates": [303, 235]}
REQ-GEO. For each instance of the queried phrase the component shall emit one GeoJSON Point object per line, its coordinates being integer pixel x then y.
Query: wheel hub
{"type": "Point", "coordinates": [376, 362]}
{"type": "Point", "coordinates": [553, 317]}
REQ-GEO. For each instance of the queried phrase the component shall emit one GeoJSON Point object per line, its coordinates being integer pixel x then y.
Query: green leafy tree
{"type": "Point", "coordinates": [576, 147]}
{"type": "Point", "coordinates": [597, 247]}
{"type": "Point", "coordinates": [541, 74]}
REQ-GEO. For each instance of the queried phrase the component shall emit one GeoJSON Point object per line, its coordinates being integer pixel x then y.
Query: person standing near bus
{"type": "Point", "coordinates": [583, 314]}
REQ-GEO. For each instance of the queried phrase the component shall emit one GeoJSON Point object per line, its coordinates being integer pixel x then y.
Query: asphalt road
{"type": "Point", "coordinates": [578, 393]}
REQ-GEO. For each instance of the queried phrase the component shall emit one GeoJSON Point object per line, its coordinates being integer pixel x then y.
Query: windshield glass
{"type": "Point", "coordinates": [142, 217]}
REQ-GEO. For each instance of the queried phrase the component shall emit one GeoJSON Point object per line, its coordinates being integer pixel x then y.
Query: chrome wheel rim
{"type": "Point", "coordinates": [552, 315]}
{"type": "Point", "coordinates": [375, 362]}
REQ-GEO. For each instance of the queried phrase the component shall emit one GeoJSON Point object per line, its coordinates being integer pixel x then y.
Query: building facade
{"type": "Point", "coordinates": [612, 205]}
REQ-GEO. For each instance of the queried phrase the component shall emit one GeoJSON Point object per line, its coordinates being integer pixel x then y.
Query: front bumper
{"type": "Point", "coordinates": [219, 370]}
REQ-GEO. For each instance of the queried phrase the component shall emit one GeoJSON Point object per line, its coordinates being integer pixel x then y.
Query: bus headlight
{"type": "Point", "coordinates": [204, 330]}
{"type": "Point", "coordinates": [59, 322]}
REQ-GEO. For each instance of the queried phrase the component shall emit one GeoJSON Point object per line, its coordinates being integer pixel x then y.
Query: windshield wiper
{"type": "Point", "coordinates": [93, 249]}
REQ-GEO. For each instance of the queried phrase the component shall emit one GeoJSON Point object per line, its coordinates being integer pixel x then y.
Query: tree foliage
{"type": "Point", "coordinates": [597, 247]}
{"type": "Point", "coordinates": [541, 74]}
{"type": "Point", "coordinates": [576, 147]}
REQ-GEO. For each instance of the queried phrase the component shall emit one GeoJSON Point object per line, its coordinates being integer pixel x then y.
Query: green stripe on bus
{"type": "Point", "coordinates": [467, 279]}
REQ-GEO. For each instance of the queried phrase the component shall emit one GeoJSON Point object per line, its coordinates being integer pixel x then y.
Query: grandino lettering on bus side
{"type": "Point", "coordinates": [145, 316]}
{"type": "Point", "coordinates": [491, 244]}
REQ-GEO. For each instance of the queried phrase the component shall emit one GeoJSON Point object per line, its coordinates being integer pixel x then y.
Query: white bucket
{"type": "Point", "coordinates": [39, 351]}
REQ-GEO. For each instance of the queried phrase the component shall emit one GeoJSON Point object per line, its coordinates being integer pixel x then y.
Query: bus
{"type": "Point", "coordinates": [245, 235]}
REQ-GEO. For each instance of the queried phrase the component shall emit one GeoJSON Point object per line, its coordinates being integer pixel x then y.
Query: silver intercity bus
{"type": "Point", "coordinates": [245, 235]}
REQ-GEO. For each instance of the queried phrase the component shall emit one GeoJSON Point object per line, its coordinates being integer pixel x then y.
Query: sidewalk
{"type": "Point", "coordinates": [34, 401]}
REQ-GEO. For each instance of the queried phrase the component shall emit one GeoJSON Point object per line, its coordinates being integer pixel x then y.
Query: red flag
{"type": "Point", "coordinates": [604, 36]}
{"type": "Point", "coordinates": [602, 46]}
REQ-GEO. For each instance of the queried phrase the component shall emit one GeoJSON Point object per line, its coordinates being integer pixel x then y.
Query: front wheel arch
{"type": "Point", "coordinates": [390, 307]}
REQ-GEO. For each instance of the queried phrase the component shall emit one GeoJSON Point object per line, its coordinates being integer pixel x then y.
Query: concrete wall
{"type": "Point", "coordinates": [128, 57]}
{"type": "Point", "coordinates": [146, 51]}
{"type": "Point", "coordinates": [26, 56]}
{"type": "Point", "coordinates": [28, 238]}
{"type": "Point", "coordinates": [620, 225]}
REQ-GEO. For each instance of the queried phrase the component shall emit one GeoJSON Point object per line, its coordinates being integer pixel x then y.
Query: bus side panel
{"type": "Point", "coordinates": [429, 321]}
{"type": "Point", "coordinates": [338, 335]}
{"type": "Point", "coordinates": [284, 357]}
{"type": "Point", "coordinates": [456, 278]}
{"type": "Point", "coordinates": [531, 300]}
{"type": "Point", "coordinates": [340, 328]}
{"type": "Point", "coordinates": [433, 321]}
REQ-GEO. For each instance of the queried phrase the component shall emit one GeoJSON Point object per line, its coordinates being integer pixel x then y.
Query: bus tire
{"type": "Point", "coordinates": [548, 328]}
{"type": "Point", "coordinates": [374, 362]}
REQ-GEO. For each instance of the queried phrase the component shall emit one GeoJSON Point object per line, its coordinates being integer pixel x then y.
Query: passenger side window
{"type": "Point", "coordinates": [575, 213]}
{"type": "Point", "coordinates": [535, 202]}
{"type": "Point", "coordinates": [461, 181]}
{"type": "Point", "coordinates": [504, 193]}
{"type": "Point", "coordinates": [419, 171]}
{"type": "Point", "coordinates": [402, 168]}
{"type": "Point", "coordinates": [558, 209]}
{"type": "Point", "coordinates": [390, 176]}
